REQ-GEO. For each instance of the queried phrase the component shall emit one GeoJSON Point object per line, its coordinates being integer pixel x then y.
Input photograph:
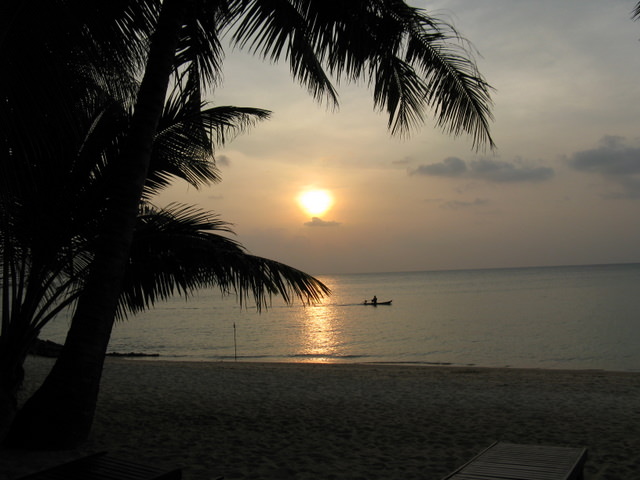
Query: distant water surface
{"type": "Point", "coordinates": [584, 317]}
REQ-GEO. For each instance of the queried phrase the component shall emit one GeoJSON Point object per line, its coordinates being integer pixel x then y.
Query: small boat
{"type": "Point", "coordinates": [388, 302]}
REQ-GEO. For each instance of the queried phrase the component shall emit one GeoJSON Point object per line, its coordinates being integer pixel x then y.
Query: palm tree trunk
{"type": "Point", "coordinates": [60, 413]}
{"type": "Point", "coordinates": [14, 346]}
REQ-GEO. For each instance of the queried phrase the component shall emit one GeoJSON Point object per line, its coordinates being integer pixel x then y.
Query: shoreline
{"type": "Point", "coordinates": [280, 420]}
{"type": "Point", "coordinates": [157, 358]}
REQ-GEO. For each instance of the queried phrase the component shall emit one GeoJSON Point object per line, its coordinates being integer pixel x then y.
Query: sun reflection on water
{"type": "Point", "coordinates": [321, 336]}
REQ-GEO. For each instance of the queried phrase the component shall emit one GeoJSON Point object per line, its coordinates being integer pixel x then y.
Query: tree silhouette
{"type": "Point", "coordinates": [412, 61]}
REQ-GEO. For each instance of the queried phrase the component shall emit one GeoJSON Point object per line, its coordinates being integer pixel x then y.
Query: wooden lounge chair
{"type": "Point", "coordinates": [101, 466]}
{"type": "Point", "coordinates": [510, 461]}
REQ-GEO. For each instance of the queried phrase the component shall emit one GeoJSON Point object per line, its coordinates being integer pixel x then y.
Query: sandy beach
{"type": "Point", "coordinates": [314, 421]}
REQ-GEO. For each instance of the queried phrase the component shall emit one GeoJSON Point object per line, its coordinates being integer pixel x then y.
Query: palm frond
{"type": "Point", "coordinates": [68, 52]}
{"type": "Point", "coordinates": [274, 29]}
{"type": "Point", "coordinates": [457, 92]}
{"type": "Point", "coordinates": [177, 251]}
{"type": "Point", "coordinates": [184, 145]}
{"type": "Point", "coordinates": [401, 92]}
{"type": "Point", "coordinates": [199, 46]}
{"type": "Point", "coordinates": [413, 61]}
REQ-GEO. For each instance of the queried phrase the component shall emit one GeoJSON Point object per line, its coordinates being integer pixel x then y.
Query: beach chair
{"type": "Point", "coordinates": [101, 466]}
{"type": "Point", "coordinates": [510, 461]}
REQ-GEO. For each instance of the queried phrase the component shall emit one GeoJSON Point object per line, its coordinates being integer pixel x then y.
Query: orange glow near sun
{"type": "Point", "coordinates": [315, 202]}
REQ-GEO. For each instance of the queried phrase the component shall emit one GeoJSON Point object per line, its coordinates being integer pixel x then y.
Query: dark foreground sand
{"type": "Point", "coordinates": [300, 421]}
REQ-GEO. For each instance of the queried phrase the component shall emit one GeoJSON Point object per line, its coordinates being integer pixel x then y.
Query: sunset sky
{"type": "Point", "coordinates": [563, 186]}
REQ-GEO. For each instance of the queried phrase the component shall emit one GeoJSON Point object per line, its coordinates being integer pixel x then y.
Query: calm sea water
{"type": "Point", "coordinates": [554, 317]}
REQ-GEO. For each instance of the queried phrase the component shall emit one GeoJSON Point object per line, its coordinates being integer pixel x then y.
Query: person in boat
{"type": "Point", "coordinates": [374, 300]}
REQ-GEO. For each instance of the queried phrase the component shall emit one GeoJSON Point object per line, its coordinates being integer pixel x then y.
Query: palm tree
{"type": "Point", "coordinates": [49, 79]}
{"type": "Point", "coordinates": [174, 249]}
{"type": "Point", "coordinates": [411, 60]}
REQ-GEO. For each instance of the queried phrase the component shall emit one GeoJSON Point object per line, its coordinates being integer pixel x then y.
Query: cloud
{"type": "Point", "coordinates": [456, 204]}
{"type": "Point", "coordinates": [613, 157]}
{"type": "Point", "coordinates": [615, 160]}
{"type": "Point", "coordinates": [402, 161]}
{"type": "Point", "coordinates": [318, 222]}
{"type": "Point", "coordinates": [630, 188]}
{"type": "Point", "coordinates": [222, 161]}
{"type": "Point", "coordinates": [486, 169]}
{"type": "Point", "coordinates": [449, 167]}
{"type": "Point", "coordinates": [496, 171]}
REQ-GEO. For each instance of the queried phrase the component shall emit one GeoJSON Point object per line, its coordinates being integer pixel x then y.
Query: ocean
{"type": "Point", "coordinates": [575, 317]}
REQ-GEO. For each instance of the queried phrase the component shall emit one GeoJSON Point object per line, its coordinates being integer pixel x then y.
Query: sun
{"type": "Point", "coordinates": [315, 202]}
